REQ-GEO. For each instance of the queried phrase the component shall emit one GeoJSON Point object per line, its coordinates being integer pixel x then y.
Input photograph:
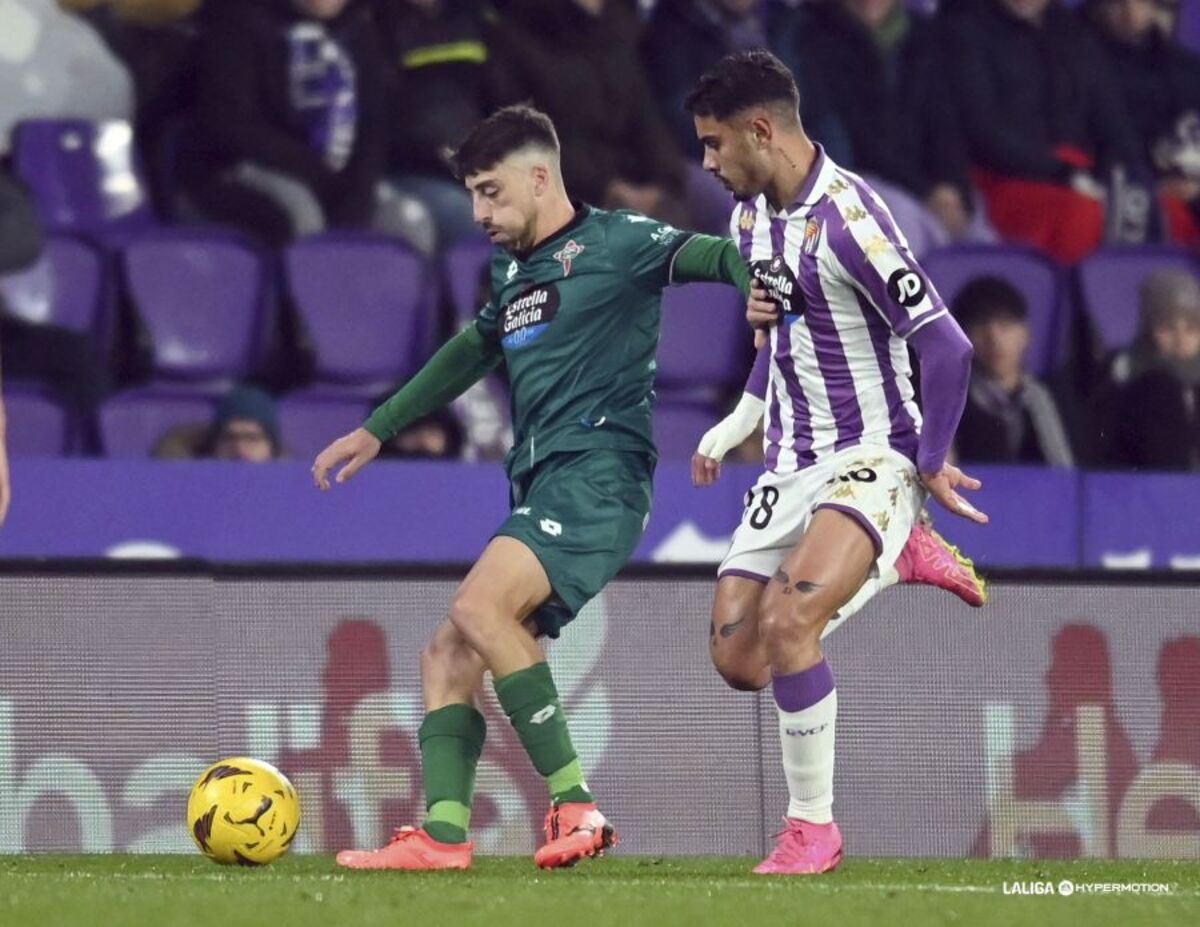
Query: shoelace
{"type": "Point", "coordinates": [402, 833]}
{"type": "Point", "coordinates": [788, 850]}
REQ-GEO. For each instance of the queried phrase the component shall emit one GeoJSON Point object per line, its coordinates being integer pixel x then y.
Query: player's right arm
{"type": "Point", "coordinates": [734, 428]}
{"type": "Point", "coordinates": [461, 362]}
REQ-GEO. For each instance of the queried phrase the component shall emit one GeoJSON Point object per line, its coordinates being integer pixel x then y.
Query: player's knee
{"type": "Point", "coordinates": [740, 672]}
{"type": "Point", "coordinates": [783, 622]}
{"type": "Point", "coordinates": [471, 616]}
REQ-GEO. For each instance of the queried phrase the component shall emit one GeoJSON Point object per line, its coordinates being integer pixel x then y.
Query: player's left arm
{"type": "Point", "coordinates": [874, 258]}
{"type": "Point", "coordinates": [707, 258]}
{"type": "Point", "coordinates": [945, 355]}
{"type": "Point", "coordinates": [658, 255]}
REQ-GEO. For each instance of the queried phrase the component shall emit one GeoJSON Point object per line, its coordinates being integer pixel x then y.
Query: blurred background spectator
{"type": "Point", "coordinates": [1157, 379]}
{"type": "Point", "coordinates": [66, 363]}
{"type": "Point", "coordinates": [1044, 123]}
{"type": "Point", "coordinates": [1160, 84]}
{"type": "Point", "coordinates": [1010, 416]}
{"type": "Point", "coordinates": [437, 436]}
{"type": "Point", "coordinates": [578, 61]}
{"type": "Point", "coordinates": [52, 63]}
{"type": "Point", "coordinates": [447, 80]}
{"type": "Point", "coordinates": [1070, 127]}
{"type": "Point", "coordinates": [290, 133]}
{"type": "Point", "coordinates": [892, 97]}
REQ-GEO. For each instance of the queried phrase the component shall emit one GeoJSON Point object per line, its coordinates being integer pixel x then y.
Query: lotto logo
{"type": "Point", "coordinates": [551, 527]}
{"type": "Point", "coordinates": [542, 715]}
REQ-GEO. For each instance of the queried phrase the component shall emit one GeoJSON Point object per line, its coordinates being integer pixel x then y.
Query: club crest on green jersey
{"type": "Point", "coordinates": [567, 254]}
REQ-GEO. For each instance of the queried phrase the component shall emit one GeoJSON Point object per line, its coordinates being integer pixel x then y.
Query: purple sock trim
{"type": "Point", "coordinates": [797, 691]}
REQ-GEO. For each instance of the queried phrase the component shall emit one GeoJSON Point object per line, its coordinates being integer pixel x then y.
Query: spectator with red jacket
{"type": "Point", "coordinates": [1160, 83]}
{"type": "Point", "coordinates": [1044, 123]}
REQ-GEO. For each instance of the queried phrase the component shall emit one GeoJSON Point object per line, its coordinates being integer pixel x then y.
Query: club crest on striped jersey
{"type": "Point", "coordinates": [812, 235]}
{"type": "Point", "coordinates": [524, 319]}
{"type": "Point", "coordinates": [567, 254]}
{"type": "Point", "coordinates": [777, 279]}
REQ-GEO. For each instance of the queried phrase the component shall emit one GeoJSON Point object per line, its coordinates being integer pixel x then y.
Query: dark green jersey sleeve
{"type": "Point", "coordinates": [708, 258]}
{"type": "Point", "coordinates": [487, 323]}
{"type": "Point", "coordinates": [643, 247]}
{"type": "Point", "coordinates": [462, 361]}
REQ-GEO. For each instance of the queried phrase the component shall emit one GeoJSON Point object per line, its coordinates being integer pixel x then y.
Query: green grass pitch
{"type": "Point", "coordinates": [164, 891]}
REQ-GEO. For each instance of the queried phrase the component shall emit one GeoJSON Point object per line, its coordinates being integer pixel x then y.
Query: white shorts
{"type": "Point", "coordinates": [878, 487]}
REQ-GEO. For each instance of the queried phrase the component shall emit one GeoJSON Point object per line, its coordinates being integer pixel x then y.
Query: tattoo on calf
{"type": "Point", "coordinates": [730, 629]}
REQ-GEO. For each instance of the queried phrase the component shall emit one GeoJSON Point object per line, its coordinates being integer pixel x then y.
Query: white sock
{"type": "Point", "coordinates": [806, 735]}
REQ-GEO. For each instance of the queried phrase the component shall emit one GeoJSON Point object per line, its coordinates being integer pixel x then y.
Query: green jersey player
{"type": "Point", "coordinates": [574, 315]}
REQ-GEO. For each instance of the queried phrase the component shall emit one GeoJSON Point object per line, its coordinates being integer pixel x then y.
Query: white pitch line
{"type": "Point", "coordinates": [769, 884]}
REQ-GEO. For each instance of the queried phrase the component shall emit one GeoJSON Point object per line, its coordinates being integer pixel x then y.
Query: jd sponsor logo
{"type": "Point", "coordinates": [527, 316]}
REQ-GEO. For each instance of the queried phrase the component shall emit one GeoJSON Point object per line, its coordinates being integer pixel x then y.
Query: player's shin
{"type": "Point", "coordinates": [807, 704]}
{"type": "Point", "coordinates": [451, 740]}
{"type": "Point", "coordinates": [530, 699]}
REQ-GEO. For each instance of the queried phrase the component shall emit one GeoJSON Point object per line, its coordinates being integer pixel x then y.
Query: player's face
{"type": "Point", "coordinates": [1177, 338]}
{"type": "Point", "coordinates": [505, 203]}
{"type": "Point", "coordinates": [732, 155]}
{"type": "Point", "coordinates": [1000, 345]}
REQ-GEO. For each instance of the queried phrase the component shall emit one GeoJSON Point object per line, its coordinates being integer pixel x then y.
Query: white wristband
{"type": "Point", "coordinates": [733, 429]}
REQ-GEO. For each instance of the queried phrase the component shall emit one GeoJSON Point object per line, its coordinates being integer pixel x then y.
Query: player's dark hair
{"type": "Point", "coordinates": [986, 298]}
{"type": "Point", "coordinates": [741, 80]}
{"type": "Point", "coordinates": [505, 131]}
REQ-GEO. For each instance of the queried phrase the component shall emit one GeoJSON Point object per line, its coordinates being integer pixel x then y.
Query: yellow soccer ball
{"type": "Point", "coordinates": [243, 811]}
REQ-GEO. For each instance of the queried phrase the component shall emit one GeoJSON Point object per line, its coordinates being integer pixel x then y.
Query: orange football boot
{"type": "Point", "coordinates": [574, 829]}
{"type": "Point", "coordinates": [410, 848]}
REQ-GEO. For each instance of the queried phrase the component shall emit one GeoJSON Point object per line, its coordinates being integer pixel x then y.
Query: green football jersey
{"type": "Point", "coordinates": [578, 322]}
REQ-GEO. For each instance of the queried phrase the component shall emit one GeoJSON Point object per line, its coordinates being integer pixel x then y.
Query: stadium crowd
{"type": "Point", "coordinates": [988, 123]}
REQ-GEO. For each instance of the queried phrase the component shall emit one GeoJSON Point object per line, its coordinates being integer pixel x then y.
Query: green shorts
{"type": "Point", "coordinates": [582, 513]}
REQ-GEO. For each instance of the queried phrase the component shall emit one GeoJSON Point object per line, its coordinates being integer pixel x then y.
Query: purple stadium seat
{"type": "Point", "coordinates": [84, 175]}
{"type": "Point", "coordinates": [680, 423]}
{"type": "Point", "coordinates": [1109, 281]}
{"type": "Point", "coordinates": [309, 421]}
{"type": "Point", "coordinates": [200, 294]}
{"type": "Point", "coordinates": [1187, 26]}
{"type": "Point", "coordinates": [37, 425]}
{"type": "Point", "coordinates": [65, 287]}
{"type": "Point", "coordinates": [132, 423]}
{"type": "Point", "coordinates": [705, 340]}
{"type": "Point", "coordinates": [1038, 279]}
{"type": "Point", "coordinates": [462, 267]}
{"type": "Point", "coordinates": [368, 305]}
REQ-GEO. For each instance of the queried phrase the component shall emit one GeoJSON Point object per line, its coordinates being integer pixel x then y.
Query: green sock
{"type": "Point", "coordinates": [530, 700]}
{"type": "Point", "coordinates": [451, 740]}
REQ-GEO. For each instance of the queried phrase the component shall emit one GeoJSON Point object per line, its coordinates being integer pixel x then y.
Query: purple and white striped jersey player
{"type": "Point", "coordinates": [837, 374]}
